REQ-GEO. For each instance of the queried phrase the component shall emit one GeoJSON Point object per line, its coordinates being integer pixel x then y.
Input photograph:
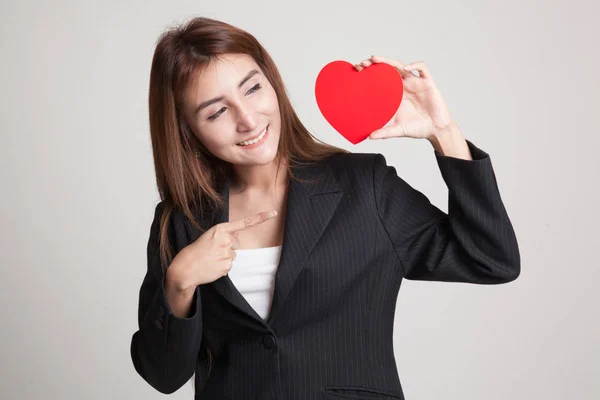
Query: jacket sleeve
{"type": "Point", "coordinates": [165, 349]}
{"type": "Point", "coordinates": [474, 243]}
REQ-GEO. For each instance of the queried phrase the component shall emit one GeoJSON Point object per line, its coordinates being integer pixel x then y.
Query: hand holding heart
{"type": "Point", "coordinates": [358, 100]}
{"type": "Point", "coordinates": [423, 112]}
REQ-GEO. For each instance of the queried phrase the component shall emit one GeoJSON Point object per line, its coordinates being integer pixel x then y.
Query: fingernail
{"type": "Point", "coordinates": [272, 213]}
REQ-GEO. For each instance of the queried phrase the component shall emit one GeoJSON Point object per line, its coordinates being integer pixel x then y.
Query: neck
{"type": "Point", "coordinates": [258, 178]}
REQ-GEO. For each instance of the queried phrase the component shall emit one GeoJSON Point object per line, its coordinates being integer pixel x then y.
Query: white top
{"type": "Point", "coordinates": [253, 274]}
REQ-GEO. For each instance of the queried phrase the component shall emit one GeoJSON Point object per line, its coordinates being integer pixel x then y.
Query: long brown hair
{"type": "Point", "coordinates": [186, 173]}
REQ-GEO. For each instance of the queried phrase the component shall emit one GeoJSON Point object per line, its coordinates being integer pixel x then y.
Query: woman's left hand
{"type": "Point", "coordinates": [423, 113]}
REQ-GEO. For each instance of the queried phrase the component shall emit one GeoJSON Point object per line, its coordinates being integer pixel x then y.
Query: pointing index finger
{"type": "Point", "coordinates": [249, 221]}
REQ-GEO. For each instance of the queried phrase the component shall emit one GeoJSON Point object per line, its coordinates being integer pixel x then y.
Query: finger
{"type": "Point", "coordinates": [363, 64]}
{"type": "Point", "coordinates": [227, 241]}
{"type": "Point", "coordinates": [388, 132]}
{"type": "Point", "coordinates": [380, 59]}
{"type": "Point", "coordinates": [378, 134]}
{"type": "Point", "coordinates": [235, 242]}
{"type": "Point", "coordinates": [248, 222]}
{"type": "Point", "coordinates": [420, 67]}
{"type": "Point", "coordinates": [232, 254]}
{"type": "Point", "coordinates": [395, 63]}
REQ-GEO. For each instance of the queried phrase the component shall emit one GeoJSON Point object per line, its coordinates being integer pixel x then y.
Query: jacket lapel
{"type": "Point", "coordinates": [309, 209]}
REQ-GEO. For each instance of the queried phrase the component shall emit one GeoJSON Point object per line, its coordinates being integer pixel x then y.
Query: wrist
{"type": "Point", "coordinates": [175, 279]}
{"type": "Point", "coordinates": [451, 142]}
{"type": "Point", "coordinates": [449, 131]}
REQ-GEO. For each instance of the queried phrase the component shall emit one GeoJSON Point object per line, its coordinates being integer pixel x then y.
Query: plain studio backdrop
{"type": "Point", "coordinates": [78, 186]}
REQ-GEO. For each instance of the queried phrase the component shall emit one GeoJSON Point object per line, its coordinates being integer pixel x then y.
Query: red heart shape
{"type": "Point", "coordinates": [356, 103]}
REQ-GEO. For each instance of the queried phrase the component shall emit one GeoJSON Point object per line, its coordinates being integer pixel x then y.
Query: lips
{"type": "Point", "coordinates": [254, 137]}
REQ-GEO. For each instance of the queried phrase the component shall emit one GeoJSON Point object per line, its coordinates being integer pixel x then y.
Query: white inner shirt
{"type": "Point", "coordinates": [253, 274]}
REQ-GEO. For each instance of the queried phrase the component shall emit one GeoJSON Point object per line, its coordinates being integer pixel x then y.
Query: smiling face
{"type": "Point", "coordinates": [228, 108]}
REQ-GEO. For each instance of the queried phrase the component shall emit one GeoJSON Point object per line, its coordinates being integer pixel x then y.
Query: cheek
{"type": "Point", "coordinates": [211, 137]}
{"type": "Point", "coordinates": [272, 102]}
{"type": "Point", "coordinates": [219, 140]}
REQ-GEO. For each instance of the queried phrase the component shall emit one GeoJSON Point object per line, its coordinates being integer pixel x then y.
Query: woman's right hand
{"type": "Point", "coordinates": [211, 255]}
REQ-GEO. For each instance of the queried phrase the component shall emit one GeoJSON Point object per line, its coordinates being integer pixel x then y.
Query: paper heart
{"type": "Point", "coordinates": [355, 103]}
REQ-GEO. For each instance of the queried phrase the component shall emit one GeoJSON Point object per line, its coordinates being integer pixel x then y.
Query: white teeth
{"type": "Point", "coordinates": [247, 142]}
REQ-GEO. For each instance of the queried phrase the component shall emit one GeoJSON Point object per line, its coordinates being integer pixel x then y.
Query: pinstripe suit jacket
{"type": "Point", "coordinates": [350, 238]}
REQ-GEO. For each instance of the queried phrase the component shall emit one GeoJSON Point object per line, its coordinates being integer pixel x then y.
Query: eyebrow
{"type": "Point", "coordinates": [207, 103]}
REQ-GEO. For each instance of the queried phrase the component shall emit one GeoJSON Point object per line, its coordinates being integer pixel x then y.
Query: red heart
{"type": "Point", "coordinates": [356, 103]}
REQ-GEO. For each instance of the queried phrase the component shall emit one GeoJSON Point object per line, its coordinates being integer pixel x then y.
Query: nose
{"type": "Point", "coordinates": [248, 122]}
{"type": "Point", "coordinates": [247, 119]}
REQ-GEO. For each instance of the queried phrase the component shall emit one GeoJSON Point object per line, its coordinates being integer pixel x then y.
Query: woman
{"type": "Point", "coordinates": [297, 305]}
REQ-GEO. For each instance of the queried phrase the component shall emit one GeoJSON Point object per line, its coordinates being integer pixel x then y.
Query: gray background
{"type": "Point", "coordinates": [78, 189]}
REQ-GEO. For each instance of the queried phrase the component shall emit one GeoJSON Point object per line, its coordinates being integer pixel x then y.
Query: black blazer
{"type": "Point", "coordinates": [350, 238]}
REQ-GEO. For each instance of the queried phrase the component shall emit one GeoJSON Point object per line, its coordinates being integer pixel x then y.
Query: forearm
{"type": "Point", "coordinates": [180, 301]}
{"type": "Point", "coordinates": [474, 242]}
{"type": "Point", "coordinates": [165, 348]}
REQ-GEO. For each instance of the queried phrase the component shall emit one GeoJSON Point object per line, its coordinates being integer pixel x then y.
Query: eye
{"type": "Point", "coordinates": [255, 88]}
{"type": "Point", "coordinates": [218, 113]}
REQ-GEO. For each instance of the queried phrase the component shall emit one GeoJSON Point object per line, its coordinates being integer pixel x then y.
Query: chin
{"type": "Point", "coordinates": [262, 159]}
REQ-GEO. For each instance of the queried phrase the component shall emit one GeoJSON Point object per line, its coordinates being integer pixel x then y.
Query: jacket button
{"type": "Point", "coordinates": [158, 324]}
{"type": "Point", "coordinates": [269, 341]}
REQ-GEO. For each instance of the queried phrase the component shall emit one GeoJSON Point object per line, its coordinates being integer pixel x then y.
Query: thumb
{"type": "Point", "coordinates": [378, 134]}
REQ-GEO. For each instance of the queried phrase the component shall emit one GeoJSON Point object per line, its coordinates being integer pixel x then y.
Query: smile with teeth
{"type": "Point", "coordinates": [258, 139]}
